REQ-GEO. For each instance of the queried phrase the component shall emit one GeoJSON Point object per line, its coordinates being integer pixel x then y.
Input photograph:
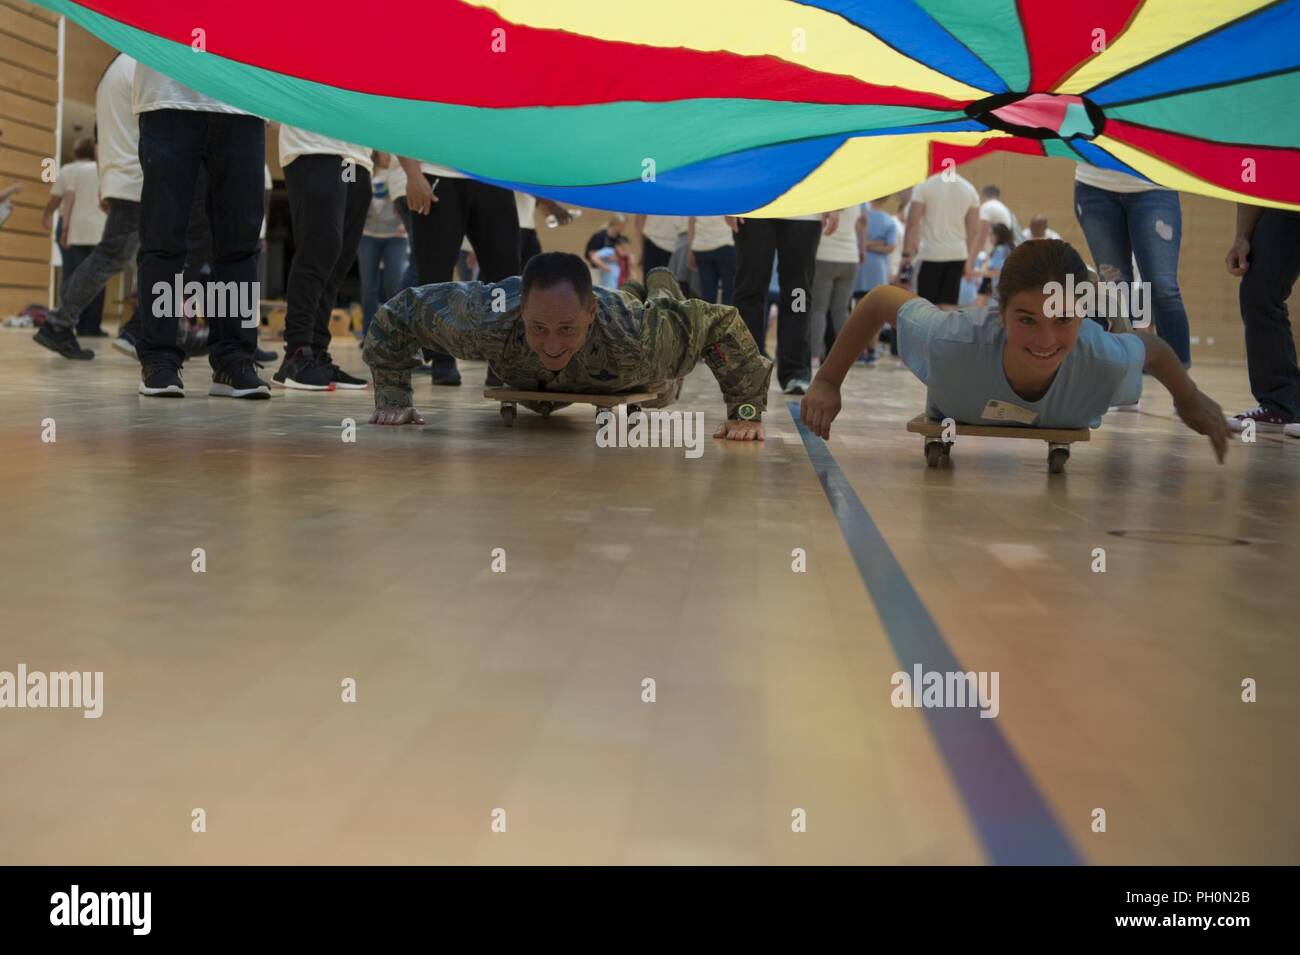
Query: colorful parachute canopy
{"type": "Point", "coordinates": [756, 107]}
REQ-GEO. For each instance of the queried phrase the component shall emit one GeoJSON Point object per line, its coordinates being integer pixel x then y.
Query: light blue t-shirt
{"type": "Point", "coordinates": [959, 357]}
{"type": "Point", "coordinates": [874, 269]}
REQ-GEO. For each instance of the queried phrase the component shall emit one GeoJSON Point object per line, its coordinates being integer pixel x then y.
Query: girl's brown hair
{"type": "Point", "coordinates": [1033, 264]}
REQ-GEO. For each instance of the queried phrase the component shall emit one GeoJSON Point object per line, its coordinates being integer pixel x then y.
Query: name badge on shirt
{"type": "Point", "coordinates": [1005, 411]}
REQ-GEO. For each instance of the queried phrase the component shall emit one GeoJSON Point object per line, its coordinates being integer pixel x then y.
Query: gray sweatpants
{"type": "Point", "coordinates": [116, 249]}
{"type": "Point", "coordinates": [832, 290]}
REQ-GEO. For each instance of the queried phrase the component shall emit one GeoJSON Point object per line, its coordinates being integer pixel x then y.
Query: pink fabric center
{"type": "Point", "coordinates": [1045, 110]}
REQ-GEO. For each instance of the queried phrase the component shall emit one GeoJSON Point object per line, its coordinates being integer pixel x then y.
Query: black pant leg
{"type": "Point", "coordinates": [317, 207]}
{"type": "Point", "coordinates": [1270, 340]}
{"type": "Point", "coordinates": [172, 143]}
{"type": "Point", "coordinates": [236, 160]}
{"type": "Point", "coordinates": [356, 204]}
{"type": "Point", "coordinates": [436, 237]}
{"type": "Point", "coordinates": [755, 246]}
{"type": "Point", "coordinates": [493, 230]}
{"type": "Point", "coordinates": [796, 252]}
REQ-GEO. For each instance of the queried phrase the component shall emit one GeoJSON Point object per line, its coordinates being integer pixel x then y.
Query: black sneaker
{"type": "Point", "coordinates": [262, 356]}
{"type": "Point", "coordinates": [300, 369]}
{"type": "Point", "coordinates": [62, 340]}
{"type": "Point", "coordinates": [239, 380]}
{"type": "Point", "coordinates": [493, 379]}
{"type": "Point", "coordinates": [162, 381]}
{"type": "Point", "coordinates": [340, 377]}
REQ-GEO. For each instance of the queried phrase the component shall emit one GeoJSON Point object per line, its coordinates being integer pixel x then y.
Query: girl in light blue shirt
{"type": "Point", "coordinates": [1030, 360]}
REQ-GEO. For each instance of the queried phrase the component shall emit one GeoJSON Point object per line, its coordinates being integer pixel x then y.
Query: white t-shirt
{"type": "Point", "coordinates": [943, 225]}
{"type": "Point", "coordinates": [269, 186]}
{"type": "Point", "coordinates": [664, 230]}
{"type": "Point", "coordinates": [1047, 234]}
{"type": "Point", "coordinates": [896, 257]}
{"type": "Point", "coordinates": [711, 232]}
{"type": "Point", "coordinates": [526, 210]}
{"type": "Point", "coordinates": [842, 244]}
{"type": "Point", "coordinates": [120, 176]}
{"type": "Point", "coordinates": [994, 211]}
{"type": "Point", "coordinates": [295, 142]}
{"type": "Point", "coordinates": [396, 178]}
{"type": "Point", "coordinates": [153, 90]}
{"type": "Point", "coordinates": [1111, 180]}
{"type": "Point", "coordinates": [440, 172]}
{"type": "Point", "coordinates": [81, 178]}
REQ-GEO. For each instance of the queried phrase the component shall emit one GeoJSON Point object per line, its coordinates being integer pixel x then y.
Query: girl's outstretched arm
{"type": "Point", "coordinates": [822, 403]}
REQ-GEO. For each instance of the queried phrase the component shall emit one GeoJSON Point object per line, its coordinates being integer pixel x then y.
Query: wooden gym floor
{"type": "Point", "coordinates": [522, 690]}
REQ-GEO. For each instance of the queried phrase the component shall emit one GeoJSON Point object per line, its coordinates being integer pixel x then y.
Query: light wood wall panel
{"type": "Point", "coordinates": [28, 92]}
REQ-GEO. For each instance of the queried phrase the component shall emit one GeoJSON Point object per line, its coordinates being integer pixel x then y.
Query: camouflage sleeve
{"type": "Point", "coordinates": [717, 335]}
{"type": "Point", "coordinates": [447, 316]}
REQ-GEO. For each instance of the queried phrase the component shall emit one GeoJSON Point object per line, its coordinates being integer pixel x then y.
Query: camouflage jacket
{"type": "Point", "coordinates": [643, 336]}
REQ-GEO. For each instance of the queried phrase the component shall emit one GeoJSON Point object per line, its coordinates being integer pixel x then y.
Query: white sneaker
{"type": "Point", "coordinates": [1135, 407]}
{"type": "Point", "coordinates": [1292, 430]}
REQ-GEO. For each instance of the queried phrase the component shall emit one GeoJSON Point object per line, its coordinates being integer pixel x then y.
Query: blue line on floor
{"type": "Point", "coordinates": [1014, 823]}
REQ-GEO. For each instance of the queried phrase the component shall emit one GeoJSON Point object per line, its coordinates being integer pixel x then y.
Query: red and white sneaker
{"type": "Point", "coordinates": [1264, 419]}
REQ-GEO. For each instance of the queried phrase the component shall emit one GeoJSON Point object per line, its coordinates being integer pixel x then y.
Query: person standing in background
{"type": "Point", "coordinates": [838, 256]}
{"type": "Point", "coordinates": [381, 255]}
{"type": "Point", "coordinates": [1266, 254]}
{"type": "Point", "coordinates": [1126, 218]}
{"type": "Point", "coordinates": [447, 208]}
{"type": "Point", "coordinates": [942, 228]}
{"type": "Point", "coordinates": [792, 242]}
{"type": "Point", "coordinates": [81, 226]}
{"type": "Point", "coordinates": [712, 252]}
{"type": "Point", "coordinates": [181, 131]}
{"type": "Point", "coordinates": [329, 197]}
{"type": "Point", "coordinates": [120, 182]}
{"type": "Point", "coordinates": [659, 239]}
{"type": "Point", "coordinates": [878, 234]}
{"type": "Point", "coordinates": [527, 207]}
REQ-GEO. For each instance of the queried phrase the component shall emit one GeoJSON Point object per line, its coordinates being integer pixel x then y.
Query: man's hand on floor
{"type": "Point", "coordinates": [390, 414]}
{"type": "Point", "coordinates": [734, 430]}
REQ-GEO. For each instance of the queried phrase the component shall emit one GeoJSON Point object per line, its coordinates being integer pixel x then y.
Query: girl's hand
{"type": "Point", "coordinates": [819, 407]}
{"type": "Point", "coordinates": [1204, 416]}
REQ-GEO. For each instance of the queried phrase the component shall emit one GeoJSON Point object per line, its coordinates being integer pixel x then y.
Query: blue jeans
{"type": "Point", "coordinates": [372, 253]}
{"type": "Point", "coordinates": [717, 270]}
{"type": "Point", "coordinates": [1122, 225]}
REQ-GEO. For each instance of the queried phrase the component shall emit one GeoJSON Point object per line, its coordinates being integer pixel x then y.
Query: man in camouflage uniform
{"type": "Point", "coordinates": [566, 336]}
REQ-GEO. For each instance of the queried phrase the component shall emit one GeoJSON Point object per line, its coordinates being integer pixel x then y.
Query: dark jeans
{"type": "Point", "coordinates": [174, 145]}
{"type": "Point", "coordinates": [1270, 342]}
{"type": "Point", "coordinates": [1148, 226]}
{"type": "Point", "coordinates": [465, 207]}
{"type": "Point", "coordinates": [84, 286]}
{"type": "Point", "coordinates": [328, 214]}
{"type": "Point", "coordinates": [717, 269]}
{"type": "Point", "coordinates": [653, 257]}
{"type": "Point", "coordinates": [409, 277]}
{"type": "Point", "coordinates": [794, 243]}
{"type": "Point", "coordinates": [379, 284]}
